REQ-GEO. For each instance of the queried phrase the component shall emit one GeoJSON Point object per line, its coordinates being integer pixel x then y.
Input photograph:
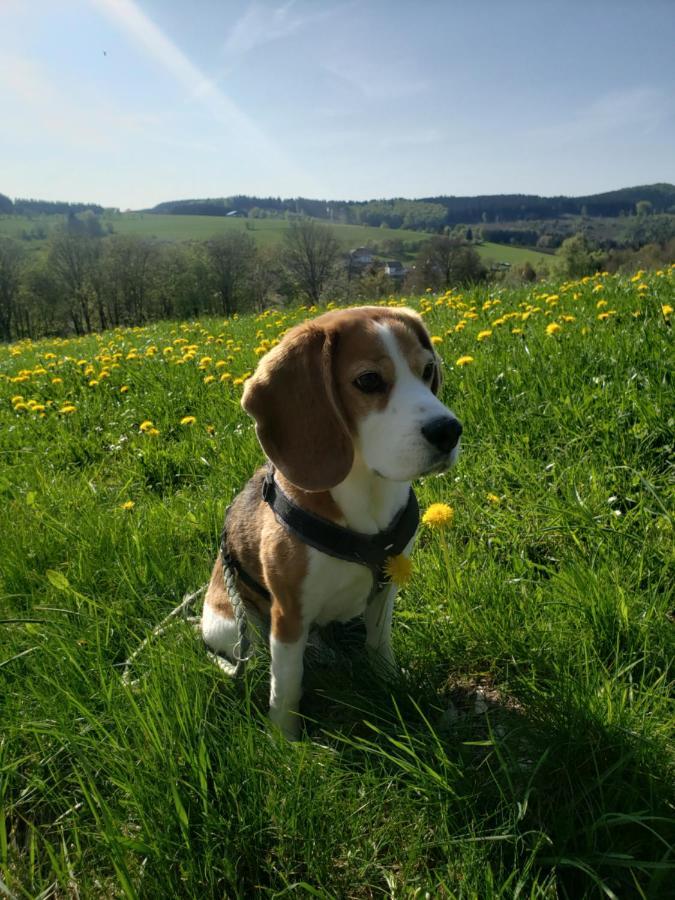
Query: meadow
{"type": "Point", "coordinates": [526, 748]}
{"type": "Point", "coordinates": [265, 232]}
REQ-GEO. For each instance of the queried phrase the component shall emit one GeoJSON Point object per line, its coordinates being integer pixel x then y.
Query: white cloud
{"type": "Point", "coordinates": [635, 111]}
{"type": "Point", "coordinates": [261, 24]}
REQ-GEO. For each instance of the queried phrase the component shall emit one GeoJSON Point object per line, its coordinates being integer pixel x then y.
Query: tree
{"type": "Point", "coordinates": [130, 265]}
{"type": "Point", "coordinates": [42, 308]}
{"type": "Point", "coordinates": [6, 205]}
{"type": "Point", "coordinates": [230, 257]}
{"type": "Point", "coordinates": [264, 278]}
{"type": "Point", "coordinates": [310, 254]}
{"type": "Point", "coordinates": [181, 274]}
{"type": "Point", "coordinates": [445, 262]}
{"type": "Point", "coordinates": [11, 261]}
{"type": "Point", "coordinates": [72, 259]}
{"type": "Point", "coordinates": [577, 257]}
{"type": "Point", "coordinates": [643, 208]}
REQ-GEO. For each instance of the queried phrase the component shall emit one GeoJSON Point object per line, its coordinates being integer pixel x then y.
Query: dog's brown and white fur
{"type": "Point", "coordinates": [345, 407]}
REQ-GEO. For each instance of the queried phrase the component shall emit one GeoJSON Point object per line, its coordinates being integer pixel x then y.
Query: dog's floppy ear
{"type": "Point", "coordinates": [292, 401]}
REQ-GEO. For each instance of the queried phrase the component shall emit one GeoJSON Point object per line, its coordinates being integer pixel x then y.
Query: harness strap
{"type": "Point", "coordinates": [242, 574]}
{"type": "Point", "coordinates": [371, 550]}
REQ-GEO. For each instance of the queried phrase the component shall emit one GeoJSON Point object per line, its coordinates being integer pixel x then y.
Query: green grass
{"type": "Point", "coordinates": [525, 749]}
{"type": "Point", "coordinates": [266, 233]}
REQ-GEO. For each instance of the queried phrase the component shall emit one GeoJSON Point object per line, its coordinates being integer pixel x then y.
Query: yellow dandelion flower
{"type": "Point", "coordinates": [666, 309]}
{"type": "Point", "coordinates": [17, 398]}
{"type": "Point", "coordinates": [68, 408]}
{"type": "Point", "coordinates": [435, 339]}
{"type": "Point", "coordinates": [124, 389]}
{"type": "Point", "coordinates": [153, 432]}
{"type": "Point", "coordinates": [600, 304]}
{"type": "Point", "coordinates": [225, 376]}
{"type": "Point", "coordinates": [128, 504]}
{"type": "Point", "coordinates": [464, 361]}
{"type": "Point", "coordinates": [188, 420]}
{"type": "Point", "coordinates": [93, 382]}
{"type": "Point", "coordinates": [18, 407]}
{"type": "Point", "coordinates": [146, 425]}
{"type": "Point", "coordinates": [57, 380]}
{"type": "Point", "coordinates": [438, 515]}
{"type": "Point", "coordinates": [553, 328]}
{"type": "Point", "coordinates": [516, 331]}
{"type": "Point", "coordinates": [210, 429]}
{"type": "Point", "coordinates": [483, 335]}
{"type": "Point", "coordinates": [209, 378]}
{"type": "Point", "coordinates": [493, 498]}
{"type": "Point", "coordinates": [398, 569]}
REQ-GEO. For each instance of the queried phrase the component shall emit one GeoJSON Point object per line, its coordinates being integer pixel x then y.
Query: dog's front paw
{"type": "Point", "coordinates": [287, 721]}
{"type": "Point", "coordinates": [383, 662]}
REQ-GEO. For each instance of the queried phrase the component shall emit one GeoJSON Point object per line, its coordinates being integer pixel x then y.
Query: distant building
{"type": "Point", "coordinates": [235, 214]}
{"type": "Point", "coordinates": [360, 258]}
{"type": "Point", "coordinates": [394, 268]}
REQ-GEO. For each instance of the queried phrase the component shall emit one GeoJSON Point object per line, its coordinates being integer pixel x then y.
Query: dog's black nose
{"type": "Point", "coordinates": [443, 433]}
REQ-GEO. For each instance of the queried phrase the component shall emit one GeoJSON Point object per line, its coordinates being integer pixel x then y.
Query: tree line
{"type": "Point", "coordinates": [88, 280]}
{"type": "Point", "coordinates": [26, 207]}
{"type": "Point", "coordinates": [434, 213]}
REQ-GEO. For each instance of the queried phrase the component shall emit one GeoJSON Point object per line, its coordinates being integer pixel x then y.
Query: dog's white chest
{"type": "Point", "coordinates": [334, 590]}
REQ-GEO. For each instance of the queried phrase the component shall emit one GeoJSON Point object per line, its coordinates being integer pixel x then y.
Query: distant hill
{"type": "Point", "coordinates": [423, 214]}
{"type": "Point", "coordinates": [431, 213]}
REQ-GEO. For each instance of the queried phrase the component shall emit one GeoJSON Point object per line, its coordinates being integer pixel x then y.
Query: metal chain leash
{"type": "Point", "coordinates": [241, 649]}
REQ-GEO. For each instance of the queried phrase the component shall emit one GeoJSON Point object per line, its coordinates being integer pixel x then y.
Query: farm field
{"type": "Point", "coordinates": [266, 232]}
{"type": "Point", "coordinates": [526, 748]}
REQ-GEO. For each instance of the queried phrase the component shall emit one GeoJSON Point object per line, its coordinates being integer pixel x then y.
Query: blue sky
{"type": "Point", "coordinates": [131, 102]}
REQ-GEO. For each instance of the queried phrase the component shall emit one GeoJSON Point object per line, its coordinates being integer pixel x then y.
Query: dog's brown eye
{"type": "Point", "coordinates": [370, 383]}
{"type": "Point", "coordinates": [428, 372]}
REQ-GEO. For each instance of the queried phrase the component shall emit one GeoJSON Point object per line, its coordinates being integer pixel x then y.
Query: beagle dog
{"type": "Point", "coordinates": [346, 410]}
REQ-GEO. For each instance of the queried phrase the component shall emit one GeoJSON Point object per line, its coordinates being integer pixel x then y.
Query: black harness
{"type": "Point", "coordinates": [370, 550]}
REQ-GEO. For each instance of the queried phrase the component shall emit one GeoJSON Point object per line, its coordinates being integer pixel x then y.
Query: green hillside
{"type": "Point", "coordinates": [266, 232]}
